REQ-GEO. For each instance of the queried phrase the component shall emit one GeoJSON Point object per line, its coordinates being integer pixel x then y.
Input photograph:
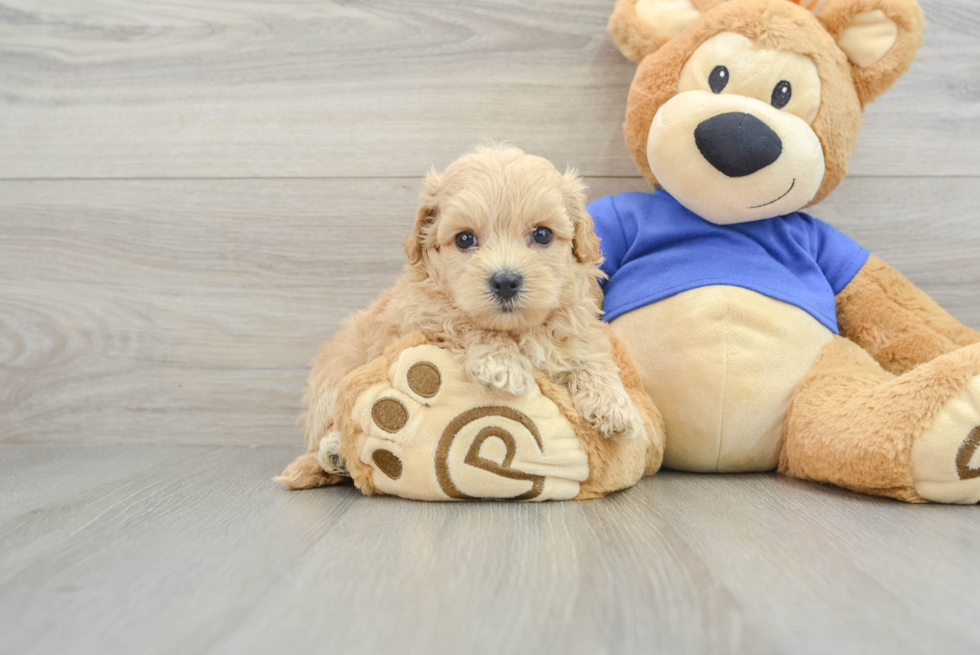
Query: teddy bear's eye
{"type": "Point", "coordinates": [781, 94]}
{"type": "Point", "coordinates": [718, 79]}
{"type": "Point", "coordinates": [465, 240]}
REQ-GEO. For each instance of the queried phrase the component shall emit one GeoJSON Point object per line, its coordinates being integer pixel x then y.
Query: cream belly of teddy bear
{"type": "Point", "coordinates": [722, 363]}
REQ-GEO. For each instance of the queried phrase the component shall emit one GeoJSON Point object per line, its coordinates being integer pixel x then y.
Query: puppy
{"type": "Point", "coordinates": [502, 268]}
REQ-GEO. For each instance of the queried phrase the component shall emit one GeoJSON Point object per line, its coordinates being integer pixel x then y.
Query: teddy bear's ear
{"type": "Point", "coordinates": [640, 27]}
{"type": "Point", "coordinates": [879, 37]}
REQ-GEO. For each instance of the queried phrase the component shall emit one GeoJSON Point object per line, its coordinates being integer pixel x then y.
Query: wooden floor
{"type": "Point", "coordinates": [190, 549]}
{"type": "Point", "coordinates": [194, 193]}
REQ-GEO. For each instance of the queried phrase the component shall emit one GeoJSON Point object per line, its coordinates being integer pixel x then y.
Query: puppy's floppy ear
{"type": "Point", "coordinates": [640, 27]}
{"type": "Point", "coordinates": [415, 243]}
{"type": "Point", "coordinates": [585, 243]}
{"type": "Point", "coordinates": [879, 37]}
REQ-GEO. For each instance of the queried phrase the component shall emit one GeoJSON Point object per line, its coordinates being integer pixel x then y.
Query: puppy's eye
{"type": "Point", "coordinates": [465, 240]}
{"type": "Point", "coordinates": [542, 235]}
{"type": "Point", "coordinates": [718, 79]}
{"type": "Point", "coordinates": [782, 94]}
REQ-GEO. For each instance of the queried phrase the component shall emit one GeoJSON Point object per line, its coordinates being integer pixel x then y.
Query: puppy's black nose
{"type": "Point", "coordinates": [737, 144]}
{"type": "Point", "coordinates": [506, 284]}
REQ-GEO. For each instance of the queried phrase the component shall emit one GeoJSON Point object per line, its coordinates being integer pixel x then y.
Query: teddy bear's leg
{"type": "Point", "coordinates": [913, 437]}
{"type": "Point", "coordinates": [652, 418]}
{"type": "Point", "coordinates": [895, 321]}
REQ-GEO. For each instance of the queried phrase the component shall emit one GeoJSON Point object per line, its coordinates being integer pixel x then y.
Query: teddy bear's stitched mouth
{"type": "Point", "coordinates": [766, 204]}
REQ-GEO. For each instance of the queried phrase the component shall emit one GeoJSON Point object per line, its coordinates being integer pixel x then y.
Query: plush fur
{"type": "Point", "coordinates": [895, 321]}
{"type": "Point", "coordinates": [552, 327]}
{"type": "Point", "coordinates": [638, 38]}
{"type": "Point", "coordinates": [831, 436]}
{"type": "Point", "coordinates": [871, 82]}
{"type": "Point", "coordinates": [613, 464]}
{"type": "Point", "coordinates": [891, 406]}
{"type": "Point", "coordinates": [773, 24]}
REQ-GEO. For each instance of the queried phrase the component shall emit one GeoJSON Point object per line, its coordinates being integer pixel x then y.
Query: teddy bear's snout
{"type": "Point", "coordinates": [737, 144]}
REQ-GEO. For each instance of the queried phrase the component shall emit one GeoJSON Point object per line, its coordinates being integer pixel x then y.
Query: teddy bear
{"type": "Point", "coordinates": [415, 426]}
{"type": "Point", "coordinates": [766, 338]}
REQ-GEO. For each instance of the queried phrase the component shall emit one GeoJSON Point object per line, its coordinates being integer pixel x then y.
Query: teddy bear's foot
{"type": "Point", "coordinates": [429, 433]}
{"type": "Point", "coordinates": [946, 458]}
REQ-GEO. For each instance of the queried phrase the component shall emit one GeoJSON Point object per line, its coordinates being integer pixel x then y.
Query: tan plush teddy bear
{"type": "Point", "coordinates": [766, 337]}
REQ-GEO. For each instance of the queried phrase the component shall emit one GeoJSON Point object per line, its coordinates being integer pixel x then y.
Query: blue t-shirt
{"type": "Point", "coordinates": [655, 248]}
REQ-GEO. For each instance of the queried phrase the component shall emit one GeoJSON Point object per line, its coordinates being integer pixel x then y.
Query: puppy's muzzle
{"type": "Point", "coordinates": [506, 284]}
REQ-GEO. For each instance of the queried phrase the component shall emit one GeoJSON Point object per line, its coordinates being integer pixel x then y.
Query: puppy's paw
{"type": "Point", "coordinates": [329, 455]}
{"type": "Point", "coordinates": [503, 372]}
{"type": "Point", "coordinates": [612, 414]}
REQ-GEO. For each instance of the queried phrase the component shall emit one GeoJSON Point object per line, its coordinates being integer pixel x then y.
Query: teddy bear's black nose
{"type": "Point", "coordinates": [737, 144]}
{"type": "Point", "coordinates": [506, 284]}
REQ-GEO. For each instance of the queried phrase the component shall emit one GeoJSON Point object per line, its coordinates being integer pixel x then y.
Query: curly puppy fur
{"type": "Point", "coordinates": [501, 195]}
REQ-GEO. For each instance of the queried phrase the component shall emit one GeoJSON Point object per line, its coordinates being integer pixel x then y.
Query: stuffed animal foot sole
{"type": "Point", "coordinates": [412, 424]}
{"type": "Point", "coordinates": [430, 434]}
{"type": "Point", "coordinates": [946, 458]}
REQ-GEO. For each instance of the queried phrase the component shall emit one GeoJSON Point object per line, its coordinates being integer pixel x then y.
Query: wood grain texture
{"type": "Point", "coordinates": [155, 336]}
{"type": "Point", "coordinates": [193, 550]}
{"type": "Point", "coordinates": [189, 311]}
{"type": "Point", "coordinates": [268, 88]}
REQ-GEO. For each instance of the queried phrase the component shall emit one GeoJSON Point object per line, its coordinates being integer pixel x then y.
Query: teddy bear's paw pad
{"type": "Point", "coordinates": [431, 434]}
{"type": "Point", "coordinates": [424, 379]}
{"type": "Point", "coordinates": [387, 462]}
{"type": "Point", "coordinates": [946, 458]}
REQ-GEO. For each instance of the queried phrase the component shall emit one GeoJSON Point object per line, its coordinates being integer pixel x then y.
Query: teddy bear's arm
{"type": "Point", "coordinates": [895, 321]}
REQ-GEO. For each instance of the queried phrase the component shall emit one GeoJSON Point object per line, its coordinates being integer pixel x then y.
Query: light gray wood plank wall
{"type": "Point", "coordinates": [111, 88]}
{"type": "Point", "coordinates": [189, 310]}
{"type": "Point", "coordinates": [126, 301]}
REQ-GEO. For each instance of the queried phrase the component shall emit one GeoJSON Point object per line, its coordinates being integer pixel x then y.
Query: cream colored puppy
{"type": "Point", "coordinates": [502, 268]}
